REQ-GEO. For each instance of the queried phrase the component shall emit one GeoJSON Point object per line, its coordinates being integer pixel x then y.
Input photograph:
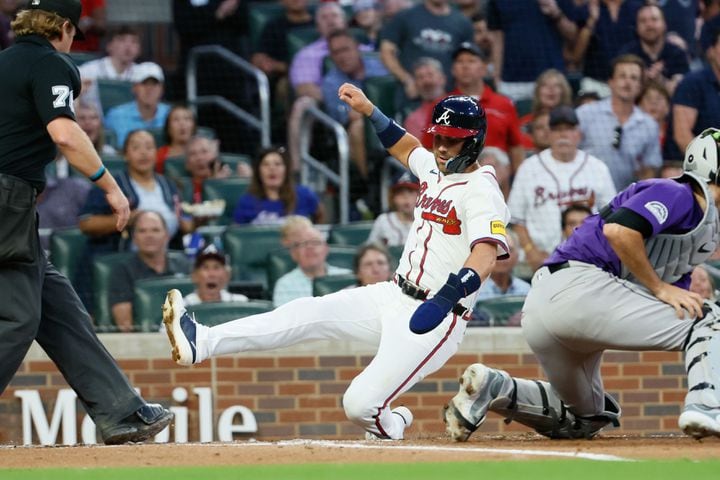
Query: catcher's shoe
{"type": "Point", "coordinates": [181, 329]}
{"type": "Point", "coordinates": [699, 421]}
{"type": "Point", "coordinates": [145, 423]}
{"type": "Point", "coordinates": [479, 385]}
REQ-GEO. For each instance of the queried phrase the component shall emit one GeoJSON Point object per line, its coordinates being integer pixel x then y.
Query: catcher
{"type": "Point", "coordinates": [619, 282]}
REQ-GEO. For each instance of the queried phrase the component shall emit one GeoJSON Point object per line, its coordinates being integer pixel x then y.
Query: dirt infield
{"type": "Point", "coordinates": [482, 448]}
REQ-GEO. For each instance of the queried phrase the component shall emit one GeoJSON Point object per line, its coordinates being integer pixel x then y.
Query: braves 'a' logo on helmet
{"type": "Point", "coordinates": [460, 116]}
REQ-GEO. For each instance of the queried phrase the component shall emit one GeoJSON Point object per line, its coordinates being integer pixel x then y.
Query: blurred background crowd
{"type": "Point", "coordinates": [251, 184]}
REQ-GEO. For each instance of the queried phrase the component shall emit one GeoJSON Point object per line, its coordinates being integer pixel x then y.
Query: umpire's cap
{"type": "Point", "coordinates": [70, 9]}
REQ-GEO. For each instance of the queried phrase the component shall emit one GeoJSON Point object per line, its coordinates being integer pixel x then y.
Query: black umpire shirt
{"type": "Point", "coordinates": [37, 85]}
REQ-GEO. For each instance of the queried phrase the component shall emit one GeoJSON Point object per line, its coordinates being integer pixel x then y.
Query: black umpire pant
{"type": "Point", "coordinates": [38, 303]}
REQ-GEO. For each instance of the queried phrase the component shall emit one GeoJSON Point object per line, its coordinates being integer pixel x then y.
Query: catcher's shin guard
{"type": "Point", "coordinates": [701, 414]}
{"type": "Point", "coordinates": [535, 404]}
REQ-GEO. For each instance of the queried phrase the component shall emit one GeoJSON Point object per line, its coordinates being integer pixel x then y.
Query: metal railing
{"type": "Point", "coordinates": [308, 163]}
{"type": "Point", "coordinates": [262, 123]}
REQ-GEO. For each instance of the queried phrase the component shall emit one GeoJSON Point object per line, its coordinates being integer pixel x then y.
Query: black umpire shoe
{"type": "Point", "coordinates": [145, 423]}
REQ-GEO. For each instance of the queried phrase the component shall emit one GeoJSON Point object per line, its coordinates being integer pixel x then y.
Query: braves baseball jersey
{"type": "Point", "coordinates": [669, 206]}
{"type": "Point", "coordinates": [452, 214]}
{"type": "Point", "coordinates": [389, 230]}
{"type": "Point", "coordinates": [544, 187]}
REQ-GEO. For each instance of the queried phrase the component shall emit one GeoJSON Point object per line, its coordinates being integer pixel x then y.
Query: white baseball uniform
{"type": "Point", "coordinates": [544, 187]}
{"type": "Point", "coordinates": [452, 214]}
{"type": "Point", "coordinates": [389, 230]}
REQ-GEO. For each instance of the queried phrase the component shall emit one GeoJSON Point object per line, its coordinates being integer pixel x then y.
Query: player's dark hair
{"type": "Point", "coordinates": [577, 207]}
{"type": "Point", "coordinates": [287, 189]}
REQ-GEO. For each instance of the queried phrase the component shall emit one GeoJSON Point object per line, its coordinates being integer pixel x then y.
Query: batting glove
{"type": "Point", "coordinates": [433, 311]}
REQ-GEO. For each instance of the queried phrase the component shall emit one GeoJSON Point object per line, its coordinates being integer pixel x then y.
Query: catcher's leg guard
{"type": "Point", "coordinates": [531, 403]}
{"type": "Point", "coordinates": [701, 415]}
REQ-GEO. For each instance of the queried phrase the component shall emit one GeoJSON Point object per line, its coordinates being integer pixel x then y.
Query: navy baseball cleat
{"type": "Point", "coordinates": [146, 422]}
{"type": "Point", "coordinates": [181, 329]}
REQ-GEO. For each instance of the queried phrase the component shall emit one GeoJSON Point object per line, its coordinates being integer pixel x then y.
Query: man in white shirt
{"type": "Point", "coordinates": [211, 275]}
{"type": "Point", "coordinates": [550, 181]}
{"type": "Point", "coordinates": [123, 48]}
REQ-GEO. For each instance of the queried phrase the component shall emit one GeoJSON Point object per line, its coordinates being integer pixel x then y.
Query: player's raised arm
{"type": "Point", "coordinates": [394, 138]}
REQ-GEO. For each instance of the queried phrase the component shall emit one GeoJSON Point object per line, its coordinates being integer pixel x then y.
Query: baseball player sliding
{"type": "Point", "coordinates": [416, 321]}
{"type": "Point", "coordinates": [619, 282]}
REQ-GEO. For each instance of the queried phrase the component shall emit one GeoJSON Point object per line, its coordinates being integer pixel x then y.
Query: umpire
{"type": "Point", "coordinates": [37, 88]}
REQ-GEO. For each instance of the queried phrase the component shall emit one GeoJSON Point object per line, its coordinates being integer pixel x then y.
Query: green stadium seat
{"type": "Point", "coordinates": [355, 233]}
{"type": "Point", "coordinates": [79, 58]}
{"type": "Point", "coordinates": [175, 167]}
{"type": "Point", "coordinates": [113, 93]}
{"type": "Point", "coordinates": [332, 283]}
{"type": "Point", "coordinates": [279, 263]}
{"type": "Point", "coordinates": [299, 38]}
{"type": "Point", "coordinates": [111, 138]}
{"type": "Point", "coordinates": [233, 159]}
{"type": "Point", "coordinates": [523, 106]}
{"type": "Point", "coordinates": [228, 189]}
{"type": "Point", "coordinates": [212, 314]}
{"type": "Point", "coordinates": [500, 310]}
{"type": "Point", "coordinates": [103, 268]}
{"type": "Point", "coordinates": [260, 14]}
{"type": "Point", "coordinates": [149, 297]}
{"type": "Point", "coordinates": [66, 248]}
{"type": "Point", "coordinates": [248, 247]}
{"type": "Point", "coordinates": [114, 163]}
{"type": "Point", "coordinates": [396, 253]}
{"type": "Point", "coordinates": [158, 134]}
{"type": "Point", "coordinates": [381, 91]}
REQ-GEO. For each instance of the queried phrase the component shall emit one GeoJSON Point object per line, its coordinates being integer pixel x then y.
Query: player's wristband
{"type": "Point", "coordinates": [98, 175]}
{"type": "Point", "coordinates": [388, 131]}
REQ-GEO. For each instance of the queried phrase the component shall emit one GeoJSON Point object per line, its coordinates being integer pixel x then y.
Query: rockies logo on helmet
{"type": "Point", "coordinates": [460, 116]}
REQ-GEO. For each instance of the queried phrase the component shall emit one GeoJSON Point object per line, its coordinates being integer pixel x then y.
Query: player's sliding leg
{"type": "Point", "coordinates": [532, 403]}
{"type": "Point", "coordinates": [701, 414]}
{"type": "Point", "coordinates": [352, 314]}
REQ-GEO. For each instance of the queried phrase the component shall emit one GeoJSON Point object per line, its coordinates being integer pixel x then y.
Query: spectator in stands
{"type": "Point", "coordinates": [655, 101]}
{"type": "Point", "coordinates": [539, 130]}
{"type": "Point", "coordinates": [584, 97]}
{"type": "Point", "coordinates": [93, 21]}
{"type": "Point", "coordinates": [88, 117]}
{"type": "Point", "coordinates": [696, 103]}
{"type": "Point", "coordinates": [469, 8]}
{"type": "Point", "coordinates": [60, 202]}
{"type": "Point", "coordinates": [499, 160]}
{"type": "Point", "coordinates": [548, 182]}
{"type": "Point", "coordinates": [468, 70]}
{"type": "Point", "coordinates": [430, 29]}
{"type": "Point", "coordinates": [430, 81]}
{"type": "Point", "coordinates": [309, 250]}
{"type": "Point", "coordinates": [702, 283]}
{"type": "Point", "coordinates": [211, 275]}
{"type": "Point", "coordinates": [608, 26]}
{"type": "Point", "coordinates": [392, 7]}
{"type": "Point", "coordinates": [372, 264]}
{"type": "Point", "coordinates": [681, 16]}
{"type": "Point", "coordinates": [527, 40]}
{"type": "Point", "coordinates": [150, 236]}
{"type": "Point", "coordinates": [146, 111]}
{"type": "Point", "coordinates": [306, 73]}
{"type": "Point", "coordinates": [180, 126]}
{"type": "Point", "coordinates": [483, 39]}
{"type": "Point", "coordinates": [368, 18]}
{"type": "Point", "coordinates": [203, 161]}
{"type": "Point", "coordinates": [618, 132]}
{"type": "Point", "coordinates": [572, 217]}
{"type": "Point", "coordinates": [392, 228]}
{"type": "Point", "coordinates": [145, 190]}
{"type": "Point", "coordinates": [123, 49]}
{"type": "Point", "coordinates": [551, 89]}
{"type": "Point", "coordinates": [501, 281]}
{"type": "Point", "coordinates": [271, 55]}
{"type": "Point", "coordinates": [665, 62]}
{"type": "Point", "coordinates": [349, 66]}
{"type": "Point", "coordinates": [273, 194]}
{"type": "Point", "coordinates": [8, 9]}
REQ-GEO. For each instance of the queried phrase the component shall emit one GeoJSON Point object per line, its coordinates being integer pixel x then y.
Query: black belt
{"type": "Point", "coordinates": [558, 266]}
{"type": "Point", "coordinates": [412, 290]}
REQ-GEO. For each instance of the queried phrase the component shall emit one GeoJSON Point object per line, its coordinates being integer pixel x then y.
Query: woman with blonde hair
{"type": "Point", "coordinates": [551, 90]}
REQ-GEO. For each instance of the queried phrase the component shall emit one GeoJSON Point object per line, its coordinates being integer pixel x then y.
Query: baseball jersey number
{"type": "Point", "coordinates": [62, 94]}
